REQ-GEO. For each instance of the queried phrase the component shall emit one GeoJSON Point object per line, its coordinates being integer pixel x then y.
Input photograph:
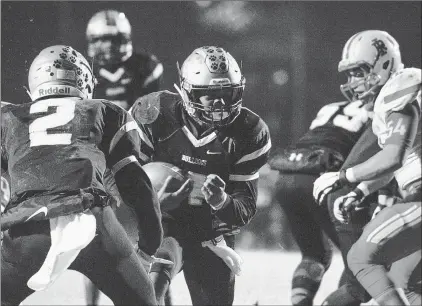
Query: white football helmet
{"type": "Point", "coordinates": [369, 58]}
{"type": "Point", "coordinates": [212, 86]}
{"type": "Point", "coordinates": [60, 71]}
{"type": "Point", "coordinates": [109, 37]}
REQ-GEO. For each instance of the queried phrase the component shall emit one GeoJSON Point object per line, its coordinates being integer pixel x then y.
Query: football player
{"type": "Point", "coordinates": [395, 232]}
{"type": "Point", "coordinates": [323, 148]}
{"type": "Point", "coordinates": [122, 74]}
{"type": "Point", "coordinates": [369, 59]}
{"type": "Point", "coordinates": [56, 149]}
{"type": "Point", "coordinates": [204, 130]}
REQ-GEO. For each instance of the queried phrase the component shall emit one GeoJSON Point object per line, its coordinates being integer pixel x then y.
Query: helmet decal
{"type": "Point", "coordinates": [380, 46]}
{"type": "Point", "coordinates": [60, 71]}
{"type": "Point", "coordinates": [216, 60]}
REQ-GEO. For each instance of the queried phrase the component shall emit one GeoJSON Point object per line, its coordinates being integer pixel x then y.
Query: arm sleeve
{"type": "Point", "coordinates": [242, 189]}
{"type": "Point", "coordinates": [136, 190]}
{"type": "Point", "coordinates": [4, 158]}
{"type": "Point", "coordinates": [121, 145]}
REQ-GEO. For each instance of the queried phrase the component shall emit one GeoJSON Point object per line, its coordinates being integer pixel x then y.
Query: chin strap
{"type": "Point", "coordinates": [179, 91]}
{"type": "Point", "coordinates": [28, 92]}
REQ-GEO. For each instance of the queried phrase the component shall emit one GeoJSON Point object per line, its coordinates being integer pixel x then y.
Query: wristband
{"type": "Point", "coordinates": [359, 193]}
{"type": "Point", "coordinates": [342, 178]}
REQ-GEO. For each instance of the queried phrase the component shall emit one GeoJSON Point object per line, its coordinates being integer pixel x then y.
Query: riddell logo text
{"type": "Point", "coordinates": [54, 90]}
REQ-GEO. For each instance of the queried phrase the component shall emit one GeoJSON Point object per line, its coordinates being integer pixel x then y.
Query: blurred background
{"type": "Point", "coordinates": [289, 53]}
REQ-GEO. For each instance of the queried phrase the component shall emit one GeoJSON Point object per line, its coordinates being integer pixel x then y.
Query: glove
{"type": "Point", "coordinates": [328, 182]}
{"type": "Point", "coordinates": [227, 254]}
{"type": "Point", "coordinates": [213, 191]}
{"type": "Point", "coordinates": [345, 205]}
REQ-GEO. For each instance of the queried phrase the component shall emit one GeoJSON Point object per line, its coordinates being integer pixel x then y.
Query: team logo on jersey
{"type": "Point", "coordinates": [380, 46]}
{"type": "Point", "coordinates": [194, 160]}
{"type": "Point", "coordinates": [54, 90]}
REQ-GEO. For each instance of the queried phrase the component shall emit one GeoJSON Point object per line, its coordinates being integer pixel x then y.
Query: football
{"type": "Point", "coordinates": [158, 173]}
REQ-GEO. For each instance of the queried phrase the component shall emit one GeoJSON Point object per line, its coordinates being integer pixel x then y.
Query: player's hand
{"type": "Point", "coordinates": [377, 210]}
{"type": "Point", "coordinates": [213, 191]}
{"type": "Point", "coordinates": [345, 205]}
{"type": "Point", "coordinates": [383, 202]}
{"type": "Point", "coordinates": [171, 200]}
{"type": "Point", "coordinates": [325, 184]}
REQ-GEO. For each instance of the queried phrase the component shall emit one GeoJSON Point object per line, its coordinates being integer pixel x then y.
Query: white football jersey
{"type": "Point", "coordinates": [402, 88]}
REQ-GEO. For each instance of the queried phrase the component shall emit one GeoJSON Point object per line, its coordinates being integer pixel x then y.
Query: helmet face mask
{"type": "Point", "coordinates": [109, 37]}
{"type": "Point", "coordinates": [369, 58]}
{"type": "Point", "coordinates": [211, 86]}
{"type": "Point", "coordinates": [217, 106]}
{"type": "Point", "coordinates": [108, 49]}
{"type": "Point", "coordinates": [362, 82]}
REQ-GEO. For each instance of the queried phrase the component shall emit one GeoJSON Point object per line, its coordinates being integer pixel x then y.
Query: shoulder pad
{"type": "Point", "coordinates": [147, 109]}
{"type": "Point", "coordinates": [402, 88]}
{"type": "Point", "coordinates": [249, 123]}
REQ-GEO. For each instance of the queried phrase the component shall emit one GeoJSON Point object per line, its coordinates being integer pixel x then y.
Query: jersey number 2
{"type": "Point", "coordinates": [65, 112]}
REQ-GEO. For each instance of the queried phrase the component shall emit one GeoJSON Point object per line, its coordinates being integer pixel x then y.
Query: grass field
{"type": "Point", "coordinates": [265, 279]}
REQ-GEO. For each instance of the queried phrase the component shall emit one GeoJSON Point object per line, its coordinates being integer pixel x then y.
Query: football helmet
{"type": "Point", "coordinates": [109, 37]}
{"type": "Point", "coordinates": [369, 58]}
{"type": "Point", "coordinates": [211, 86]}
{"type": "Point", "coordinates": [60, 71]}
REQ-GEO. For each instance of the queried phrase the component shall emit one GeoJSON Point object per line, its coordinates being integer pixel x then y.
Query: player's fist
{"type": "Point", "coordinates": [345, 205]}
{"type": "Point", "coordinates": [170, 199]}
{"type": "Point", "coordinates": [213, 191]}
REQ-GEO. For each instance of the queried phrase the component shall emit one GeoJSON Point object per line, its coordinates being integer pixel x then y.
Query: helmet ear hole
{"type": "Point", "coordinates": [385, 65]}
{"type": "Point", "coordinates": [88, 88]}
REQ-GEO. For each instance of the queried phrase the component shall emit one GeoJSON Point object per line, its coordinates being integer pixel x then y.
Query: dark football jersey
{"type": "Point", "coordinates": [5, 189]}
{"type": "Point", "coordinates": [62, 145]}
{"type": "Point", "coordinates": [123, 83]}
{"type": "Point", "coordinates": [337, 126]}
{"type": "Point", "coordinates": [235, 153]}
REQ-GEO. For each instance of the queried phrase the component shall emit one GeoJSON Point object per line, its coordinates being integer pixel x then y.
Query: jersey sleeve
{"type": "Point", "coordinates": [121, 141]}
{"type": "Point", "coordinates": [404, 87]}
{"type": "Point", "coordinates": [401, 127]}
{"type": "Point", "coordinates": [3, 133]}
{"type": "Point", "coordinates": [253, 151]}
